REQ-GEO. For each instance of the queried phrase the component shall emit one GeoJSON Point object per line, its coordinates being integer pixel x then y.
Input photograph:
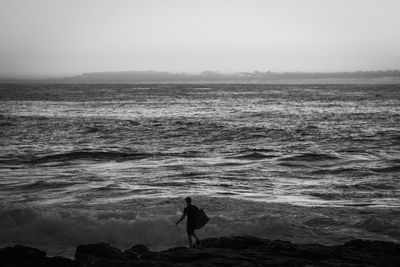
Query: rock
{"type": "Point", "coordinates": [136, 251]}
{"type": "Point", "coordinates": [224, 251]}
{"type": "Point", "coordinates": [315, 252]}
{"type": "Point", "coordinates": [182, 254]}
{"type": "Point", "coordinates": [22, 256]}
{"type": "Point", "coordinates": [59, 262]}
{"type": "Point", "coordinates": [379, 253]}
{"type": "Point", "coordinates": [373, 246]}
{"type": "Point", "coordinates": [282, 248]}
{"type": "Point", "coordinates": [236, 242]}
{"type": "Point", "coordinates": [22, 253]}
{"type": "Point", "coordinates": [141, 249]}
{"type": "Point", "coordinates": [131, 254]}
{"type": "Point", "coordinates": [98, 255]}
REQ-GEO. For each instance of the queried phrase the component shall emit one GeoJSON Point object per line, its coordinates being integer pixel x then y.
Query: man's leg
{"type": "Point", "coordinates": [197, 239]}
{"type": "Point", "coordinates": [190, 240]}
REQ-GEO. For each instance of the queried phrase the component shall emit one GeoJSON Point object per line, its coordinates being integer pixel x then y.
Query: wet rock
{"type": "Point", "coordinates": [182, 254]}
{"type": "Point", "coordinates": [376, 253]}
{"type": "Point", "coordinates": [59, 262]}
{"type": "Point", "coordinates": [224, 251]}
{"type": "Point", "coordinates": [141, 249]}
{"type": "Point", "coordinates": [99, 254]}
{"type": "Point", "coordinates": [22, 253]}
{"type": "Point", "coordinates": [282, 248]}
{"type": "Point", "coordinates": [315, 252]}
{"type": "Point", "coordinates": [136, 251]}
{"type": "Point", "coordinates": [22, 256]}
{"type": "Point", "coordinates": [237, 242]}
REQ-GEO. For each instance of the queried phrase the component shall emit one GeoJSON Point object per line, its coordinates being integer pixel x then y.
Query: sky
{"type": "Point", "coordinates": [51, 38]}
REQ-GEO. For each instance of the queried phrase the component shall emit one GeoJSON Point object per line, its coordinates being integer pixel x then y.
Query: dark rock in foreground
{"type": "Point", "coordinates": [23, 256]}
{"type": "Point", "coordinates": [224, 251]}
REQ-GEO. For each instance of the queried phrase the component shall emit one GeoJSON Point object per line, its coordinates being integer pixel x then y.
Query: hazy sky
{"type": "Point", "coordinates": [64, 37]}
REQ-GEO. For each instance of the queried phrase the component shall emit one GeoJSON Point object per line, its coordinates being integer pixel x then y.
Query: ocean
{"type": "Point", "coordinates": [113, 163]}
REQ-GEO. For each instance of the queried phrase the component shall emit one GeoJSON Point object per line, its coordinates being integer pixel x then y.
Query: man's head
{"type": "Point", "coordinates": [188, 200]}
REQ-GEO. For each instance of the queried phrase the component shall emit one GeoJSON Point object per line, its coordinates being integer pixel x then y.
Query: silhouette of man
{"type": "Point", "coordinates": [190, 211]}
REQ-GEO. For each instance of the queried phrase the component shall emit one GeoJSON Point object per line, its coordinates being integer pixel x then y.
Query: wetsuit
{"type": "Point", "coordinates": [190, 212]}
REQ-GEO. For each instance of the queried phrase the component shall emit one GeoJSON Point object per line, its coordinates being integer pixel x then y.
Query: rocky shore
{"type": "Point", "coordinates": [224, 251]}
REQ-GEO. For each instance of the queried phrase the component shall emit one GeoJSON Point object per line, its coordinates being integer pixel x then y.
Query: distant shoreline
{"type": "Point", "coordinates": [210, 77]}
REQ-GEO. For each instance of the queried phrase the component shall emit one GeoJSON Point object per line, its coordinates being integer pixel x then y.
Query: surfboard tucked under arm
{"type": "Point", "coordinates": [201, 219]}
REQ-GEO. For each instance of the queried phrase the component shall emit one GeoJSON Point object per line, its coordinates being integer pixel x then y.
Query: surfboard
{"type": "Point", "coordinates": [201, 219]}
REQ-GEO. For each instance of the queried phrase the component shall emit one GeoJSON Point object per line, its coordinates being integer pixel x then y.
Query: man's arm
{"type": "Point", "coordinates": [183, 217]}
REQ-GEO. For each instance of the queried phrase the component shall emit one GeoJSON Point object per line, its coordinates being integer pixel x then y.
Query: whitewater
{"type": "Point", "coordinates": [113, 163]}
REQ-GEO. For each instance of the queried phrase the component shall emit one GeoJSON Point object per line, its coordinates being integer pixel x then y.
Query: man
{"type": "Point", "coordinates": [190, 211]}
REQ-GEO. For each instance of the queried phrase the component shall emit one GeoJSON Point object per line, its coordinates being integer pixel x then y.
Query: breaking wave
{"type": "Point", "coordinates": [67, 229]}
{"type": "Point", "coordinates": [61, 230]}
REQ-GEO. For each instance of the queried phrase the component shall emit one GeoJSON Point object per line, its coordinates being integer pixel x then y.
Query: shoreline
{"type": "Point", "coordinates": [222, 251]}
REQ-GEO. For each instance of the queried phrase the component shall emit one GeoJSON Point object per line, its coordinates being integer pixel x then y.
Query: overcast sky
{"type": "Point", "coordinates": [64, 37]}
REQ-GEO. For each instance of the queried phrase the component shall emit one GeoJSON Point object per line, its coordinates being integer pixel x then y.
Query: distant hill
{"type": "Point", "coordinates": [123, 77]}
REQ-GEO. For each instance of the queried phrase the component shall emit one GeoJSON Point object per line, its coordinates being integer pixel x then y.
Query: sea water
{"type": "Point", "coordinates": [113, 163]}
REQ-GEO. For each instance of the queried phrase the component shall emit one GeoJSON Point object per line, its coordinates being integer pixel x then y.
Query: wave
{"type": "Point", "coordinates": [89, 155]}
{"type": "Point", "coordinates": [267, 150]}
{"type": "Point", "coordinates": [47, 184]}
{"type": "Point", "coordinates": [93, 156]}
{"type": "Point", "coordinates": [326, 195]}
{"type": "Point", "coordinates": [252, 156]}
{"type": "Point", "coordinates": [396, 139]}
{"type": "Point", "coordinates": [184, 154]}
{"type": "Point", "coordinates": [68, 228]}
{"type": "Point", "coordinates": [376, 225]}
{"type": "Point", "coordinates": [366, 186]}
{"type": "Point", "coordinates": [92, 130]}
{"type": "Point", "coordinates": [310, 157]}
{"type": "Point", "coordinates": [337, 171]}
{"type": "Point", "coordinates": [3, 124]}
{"type": "Point", "coordinates": [363, 196]}
{"type": "Point", "coordinates": [323, 221]}
{"type": "Point", "coordinates": [395, 168]}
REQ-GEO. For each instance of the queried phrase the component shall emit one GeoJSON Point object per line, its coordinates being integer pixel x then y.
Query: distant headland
{"type": "Point", "coordinates": [257, 77]}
